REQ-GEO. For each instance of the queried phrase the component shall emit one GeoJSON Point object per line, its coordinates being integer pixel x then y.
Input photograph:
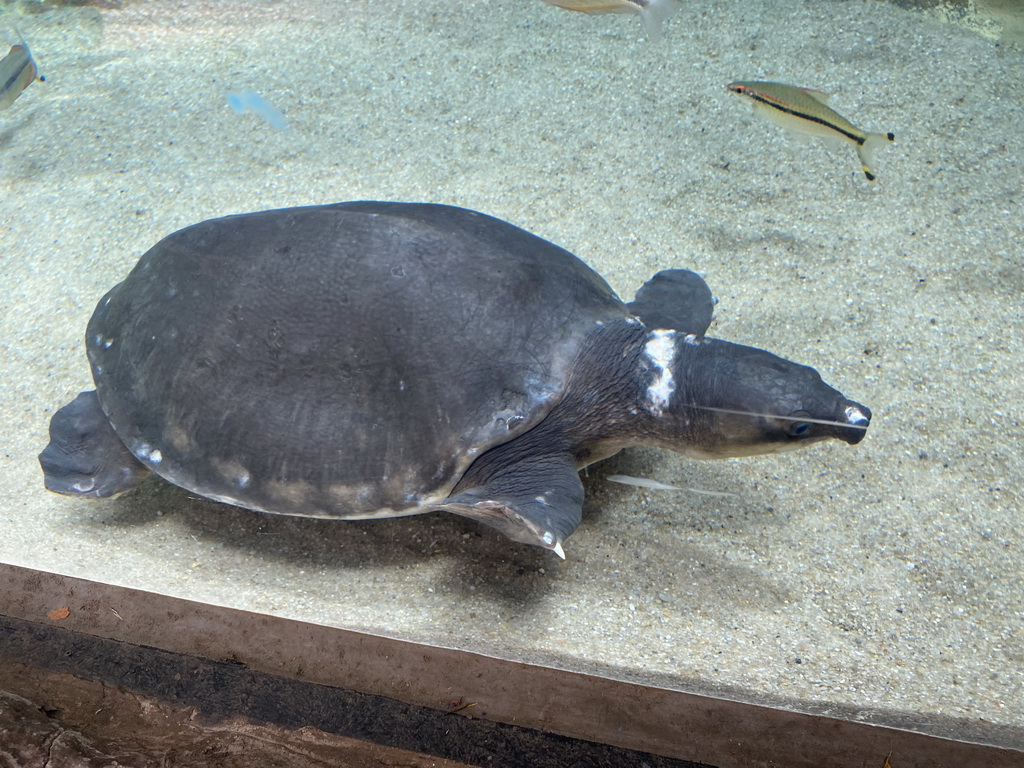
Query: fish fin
{"type": "Point", "coordinates": [654, 15]}
{"type": "Point", "coordinates": [835, 143]}
{"type": "Point", "coordinates": [655, 485]}
{"type": "Point", "coordinates": [866, 151]}
{"type": "Point", "coordinates": [37, 76]}
{"type": "Point", "coordinates": [818, 95]}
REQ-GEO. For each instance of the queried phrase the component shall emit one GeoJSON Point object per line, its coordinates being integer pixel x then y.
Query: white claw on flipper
{"type": "Point", "coordinates": [655, 485]}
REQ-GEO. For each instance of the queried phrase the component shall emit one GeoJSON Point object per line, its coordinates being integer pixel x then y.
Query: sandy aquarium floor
{"type": "Point", "coordinates": [886, 576]}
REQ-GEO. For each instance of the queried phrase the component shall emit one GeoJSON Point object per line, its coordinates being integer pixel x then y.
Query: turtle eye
{"type": "Point", "coordinates": [797, 428]}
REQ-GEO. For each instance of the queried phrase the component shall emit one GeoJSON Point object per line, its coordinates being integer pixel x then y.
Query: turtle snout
{"type": "Point", "coordinates": [858, 417]}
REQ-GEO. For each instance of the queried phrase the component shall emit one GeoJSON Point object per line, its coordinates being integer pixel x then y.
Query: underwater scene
{"type": "Point", "coordinates": [847, 178]}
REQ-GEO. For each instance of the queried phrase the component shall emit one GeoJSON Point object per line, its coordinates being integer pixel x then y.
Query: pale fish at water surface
{"type": "Point", "coordinates": [804, 110]}
{"type": "Point", "coordinates": [17, 71]}
{"type": "Point", "coordinates": [653, 12]}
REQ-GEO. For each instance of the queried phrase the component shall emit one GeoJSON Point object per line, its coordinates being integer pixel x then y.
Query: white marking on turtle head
{"type": "Point", "coordinates": [155, 456]}
{"type": "Point", "coordinates": [660, 350]}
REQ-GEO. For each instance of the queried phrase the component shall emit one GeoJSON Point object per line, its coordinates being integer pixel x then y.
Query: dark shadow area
{"type": "Point", "coordinates": [479, 562]}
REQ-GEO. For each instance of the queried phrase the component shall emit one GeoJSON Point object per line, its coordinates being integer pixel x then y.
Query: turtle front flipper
{"type": "Point", "coordinates": [537, 500]}
{"type": "Point", "coordinates": [675, 298]}
{"type": "Point", "coordinates": [85, 457]}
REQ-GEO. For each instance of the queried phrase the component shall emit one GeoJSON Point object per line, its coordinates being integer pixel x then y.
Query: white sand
{"type": "Point", "coordinates": [881, 577]}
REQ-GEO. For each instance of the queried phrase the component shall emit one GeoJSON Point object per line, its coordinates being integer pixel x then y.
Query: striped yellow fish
{"type": "Point", "coordinates": [804, 110]}
{"type": "Point", "coordinates": [653, 12]}
{"type": "Point", "coordinates": [17, 71]}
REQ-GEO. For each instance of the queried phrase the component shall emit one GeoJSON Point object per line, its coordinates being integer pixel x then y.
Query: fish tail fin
{"type": "Point", "coordinates": [22, 42]}
{"type": "Point", "coordinates": [654, 13]}
{"type": "Point", "coordinates": [866, 151]}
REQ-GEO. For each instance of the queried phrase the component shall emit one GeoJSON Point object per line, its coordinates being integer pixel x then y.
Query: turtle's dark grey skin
{"type": "Point", "coordinates": [373, 359]}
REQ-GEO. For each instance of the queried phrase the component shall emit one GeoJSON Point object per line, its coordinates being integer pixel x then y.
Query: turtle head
{"type": "Point", "coordinates": [731, 400]}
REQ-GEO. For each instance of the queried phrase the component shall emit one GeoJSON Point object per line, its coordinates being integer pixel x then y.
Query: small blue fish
{"type": "Point", "coordinates": [250, 101]}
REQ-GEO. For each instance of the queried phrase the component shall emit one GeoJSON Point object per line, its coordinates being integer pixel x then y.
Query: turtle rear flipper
{"type": "Point", "coordinates": [537, 500]}
{"type": "Point", "coordinates": [84, 456]}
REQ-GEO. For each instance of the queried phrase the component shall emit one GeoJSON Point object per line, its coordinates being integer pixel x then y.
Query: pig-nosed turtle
{"type": "Point", "coordinates": [372, 359]}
